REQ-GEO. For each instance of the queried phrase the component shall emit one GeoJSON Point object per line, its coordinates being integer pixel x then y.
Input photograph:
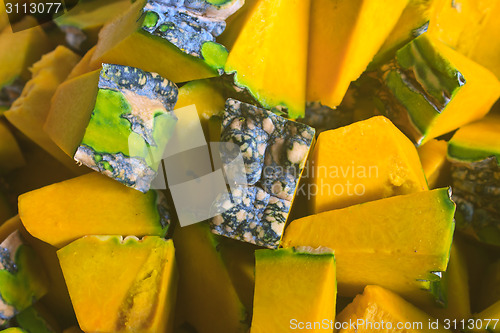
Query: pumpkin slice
{"type": "Point", "coordinates": [273, 29]}
{"type": "Point", "coordinates": [412, 23]}
{"type": "Point", "coordinates": [207, 298]}
{"type": "Point", "coordinates": [434, 162]}
{"type": "Point", "coordinates": [207, 99]}
{"type": "Point", "coordinates": [116, 121]}
{"type": "Point", "coordinates": [23, 280]}
{"type": "Point", "coordinates": [83, 66]}
{"type": "Point", "coordinates": [293, 287]}
{"type": "Point", "coordinates": [29, 112]}
{"type": "Point", "coordinates": [474, 152]}
{"type": "Point", "coordinates": [470, 27]}
{"type": "Point", "coordinates": [11, 157]}
{"type": "Point", "coordinates": [430, 90]}
{"type": "Point", "coordinates": [92, 205]}
{"type": "Point", "coordinates": [121, 284]}
{"type": "Point", "coordinates": [355, 164]}
{"type": "Point", "coordinates": [174, 39]}
{"type": "Point", "coordinates": [395, 242]}
{"type": "Point", "coordinates": [274, 151]}
{"type": "Point", "coordinates": [25, 48]}
{"type": "Point", "coordinates": [82, 23]}
{"type": "Point", "coordinates": [378, 309]}
{"type": "Point", "coordinates": [344, 38]}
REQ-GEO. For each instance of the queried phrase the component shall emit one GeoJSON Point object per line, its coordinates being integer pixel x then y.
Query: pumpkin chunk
{"type": "Point", "coordinates": [474, 152]}
{"type": "Point", "coordinates": [412, 23]}
{"type": "Point", "coordinates": [11, 156]}
{"type": "Point", "coordinates": [378, 309]}
{"type": "Point", "coordinates": [116, 121]}
{"type": "Point", "coordinates": [24, 48]}
{"type": "Point", "coordinates": [82, 23]}
{"type": "Point", "coordinates": [274, 152]}
{"type": "Point", "coordinates": [430, 90]}
{"type": "Point", "coordinates": [355, 164]}
{"type": "Point", "coordinates": [92, 205]}
{"type": "Point", "coordinates": [395, 242]}
{"type": "Point", "coordinates": [29, 112]}
{"type": "Point", "coordinates": [121, 284]}
{"type": "Point", "coordinates": [344, 37]}
{"type": "Point", "coordinates": [208, 100]}
{"type": "Point", "coordinates": [293, 287]}
{"type": "Point", "coordinates": [269, 56]}
{"type": "Point", "coordinates": [175, 39]}
{"type": "Point", "coordinates": [207, 298]}
{"type": "Point", "coordinates": [22, 279]}
{"type": "Point", "coordinates": [436, 166]}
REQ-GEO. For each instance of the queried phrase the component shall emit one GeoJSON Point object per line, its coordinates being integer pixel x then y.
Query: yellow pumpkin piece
{"type": "Point", "coordinates": [465, 107]}
{"type": "Point", "coordinates": [269, 56]}
{"type": "Point", "coordinates": [124, 42]}
{"type": "Point", "coordinates": [82, 23]}
{"type": "Point", "coordinates": [395, 242]}
{"type": "Point", "coordinates": [355, 164]}
{"type": "Point", "coordinates": [65, 128]}
{"type": "Point", "coordinates": [11, 156]}
{"type": "Point", "coordinates": [91, 204]}
{"type": "Point", "coordinates": [121, 284]}
{"type": "Point", "coordinates": [434, 162]}
{"type": "Point", "coordinates": [83, 66]}
{"type": "Point", "coordinates": [344, 38]}
{"type": "Point", "coordinates": [293, 288]}
{"type": "Point", "coordinates": [380, 310]}
{"type": "Point", "coordinates": [207, 99]}
{"type": "Point", "coordinates": [207, 299]}
{"type": "Point", "coordinates": [413, 21]}
{"type": "Point", "coordinates": [235, 23]}
{"type": "Point", "coordinates": [486, 47]}
{"type": "Point", "coordinates": [29, 112]}
{"type": "Point", "coordinates": [24, 47]}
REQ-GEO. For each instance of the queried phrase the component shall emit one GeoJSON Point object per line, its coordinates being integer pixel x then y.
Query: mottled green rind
{"type": "Point", "coordinates": [30, 320]}
{"type": "Point", "coordinates": [412, 101]}
{"type": "Point", "coordinates": [14, 330]}
{"type": "Point", "coordinates": [471, 154]}
{"type": "Point", "coordinates": [25, 286]}
{"type": "Point", "coordinates": [214, 54]}
{"type": "Point", "coordinates": [108, 132]}
{"type": "Point", "coordinates": [439, 291]}
{"type": "Point", "coordinates": [434, 75]}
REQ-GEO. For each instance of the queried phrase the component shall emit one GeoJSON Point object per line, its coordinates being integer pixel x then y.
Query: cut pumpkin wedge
{"type": "Point", "coordinates": [344, 38]}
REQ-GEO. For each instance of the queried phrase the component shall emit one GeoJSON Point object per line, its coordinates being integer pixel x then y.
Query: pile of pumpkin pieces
{"type": "Point", "coordinates": [368, 134]}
